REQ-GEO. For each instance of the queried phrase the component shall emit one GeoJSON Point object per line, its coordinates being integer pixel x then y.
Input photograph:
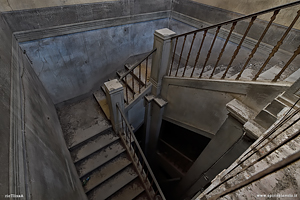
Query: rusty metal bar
{"type": "Point", "coordinates": [239, 46]}
{"type": "Point", "coordinates": [224, 46]}
{"type": "Point", "coordinates": [180, 55]}
{"type": "Point", "coordinates": [241, 18]}
{"type": "Point", "coordinates": [188, 57]}
{"type": "Point", "coordinates": [198, 54]}
{"type": "Point", "coordinates": [127, 100]}
{"type": "Point", "coordinates": [132, 87]}
{"type": "Point", "coordinates": [140, 78]}
{"type": "Point", "coordinates": [296, 53]}
{"type": "Point", "coordinates": [258, 43]}
{"type": "Point", "coordinates": [279, 43]}
{"type": "Point", "coordinates": [209, 51]}
{"type": "Point", "coordinates": [134, 76]}
{"type": "Point", "coordinates": [173, 56]}
{"type": "Point", "coordinates": [146, 72]}
{"type": "Point", "coordinates": [272, 169]}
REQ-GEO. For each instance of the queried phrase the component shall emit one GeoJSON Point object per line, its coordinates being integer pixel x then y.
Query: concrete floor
{"type": "Point", "coordinates": [80, 117]}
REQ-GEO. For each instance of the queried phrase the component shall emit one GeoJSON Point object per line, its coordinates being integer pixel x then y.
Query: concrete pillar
{"type": "Point", "coordinates": [154, 123]}
{"type": "Point", "coordinates": [114, 95]}
{"type": "Point", "coordinates": [147, 117]}
{"type": "Point", "coordinates": [161, 58]}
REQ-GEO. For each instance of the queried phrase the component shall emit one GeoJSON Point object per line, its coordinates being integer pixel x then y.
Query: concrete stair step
{"type": "Point", "coordinates": [207, 74]}
{"type": "Point", "coordinates": [275, 107]}
{"type": "Point", "coordinates": [269, 74]}
{"type": "Point", "coordinates": [240, 111]}
{"type": "Point", "coordinates": [142, 196]}
{"type": "Point", "coordinates": [94, 144]}
{"type": "Point", "coordinates": [130, 191]}
{"type": "Point", "coordinates": [99, 158]}
{"type": "Point", "coordinates": [112, 185]}
{"type": "Point", "coordinates": [101, 99]}
{"type": "Point", "coordinates": [247, 74]}
{"type": "Point", "coordinates": [106, 171]}
{"type": "Point", "coordinates": [265, 119]}
{"type": "Point", "coordinates": [293, 77]}
{"type": "Point", "coordinates": [253, 129]}
{"type": "Point", "coordinates": [82, 135]}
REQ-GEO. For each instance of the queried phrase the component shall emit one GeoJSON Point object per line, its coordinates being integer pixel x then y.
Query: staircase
{"type": "Point", "coordinates": [270, 165]}
{"type": "Point", "coordinates": [102, 162]}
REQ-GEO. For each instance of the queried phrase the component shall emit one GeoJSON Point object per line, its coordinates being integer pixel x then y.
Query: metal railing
{"type": "Point", "coordinates": [135, 78]}
{"type": "Point", "coordinates": [233, 24]}
{"type": "Point", "coordinates": [285, 124]}
{"type": "Point", "coordinates": [139, 160]}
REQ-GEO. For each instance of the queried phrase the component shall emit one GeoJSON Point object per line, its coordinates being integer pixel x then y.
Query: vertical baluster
{"type": "Point", "coordinates": [258, 43]}
{"type": "Point", "coordinates": [173, 56]}
{"type": "Point", "coordinates": [188, 57]}
{"type": "Point", "coordinates": [146, 72]}
{"type": "Point", "coordinates": [198, 54]}
{"type": "Point", "coordinates": [296, 53]}
{"type": "Point", "coordinates": [239, 46]}
{"type": "Point", "coordinates": [180, 55]}
{"type": "Point", "coordinates": [279, 43]}
{"type": "Point", "coordinates": [126, 86]}
{"type": "Point", "coordinates": [132, 86]}
{"type": "Point", "coordinates": [140, 78]}
{"type": "Point", "coordinates": [222, 51]}
{"type": "Point", "coordinates": [122, 125]}
{"type": "Point", "coordinates": [209, 51]}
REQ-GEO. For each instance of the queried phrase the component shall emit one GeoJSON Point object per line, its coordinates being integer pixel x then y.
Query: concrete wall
{"type": "Point", "coordinates": [247, 7]}
{"type": "Point", "coordinates": [64, 13]}
{"type": "Point", "coordinates": [200, 104]}
{"type": "Point", "coordinates": [35, 162]}
{"type": "Point", "coordinates": [5, 59]}
{"type": "Point", "coordinates": [51, 172]}
{"type": "Point", "coordinates": [76, 64]}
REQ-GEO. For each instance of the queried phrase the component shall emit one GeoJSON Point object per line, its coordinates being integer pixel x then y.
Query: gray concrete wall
{"type": "Point", "coordinates": [200, 104]}
{"type": "Point", "coordinates": [5, 59]}
{"type": "Point", "coordinates": [76, 64]}
{"type": "Point", "coordinates": [62, 13]}
{"type": "Point", "coordinates": [209, 15]}
{"type": "Point", "coordinates": [51, 173]}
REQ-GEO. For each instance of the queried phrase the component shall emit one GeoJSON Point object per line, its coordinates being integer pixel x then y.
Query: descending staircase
{"type": "Point", "coordinates": [102, 162]}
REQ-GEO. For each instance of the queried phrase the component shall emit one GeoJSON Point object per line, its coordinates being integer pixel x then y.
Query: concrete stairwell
{"type": "Point", "coordinates": [101, 160]}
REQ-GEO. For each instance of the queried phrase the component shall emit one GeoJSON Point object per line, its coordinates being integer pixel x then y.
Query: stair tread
{"type": "Point", "coordinates": [265, 119]}
{"type": "Point", "coordinates": [99, 158]}
{"type": "Point", "coordinates": [101, 99]}
{"type": "Point", "coordinates": [293, 77]}
{"type": "Point", "coordinates": [242, 112]}
{"type": "Point", "coordinates": [113, 184]}
{"type": "Point", "coordinates": [102, 140]}
{"type": "Point", "coordinates": [82, 135]}
{"type": "Point", "coordinates": [247, 74]}
{"type": "Point", "coordinates": [106, 171]}
{"type": "Point", "coordinates": [129, 192]}
{"type": "Point", "coordinates": [142, 196]}
{"type": "Point", "coordinates": [269, 74]}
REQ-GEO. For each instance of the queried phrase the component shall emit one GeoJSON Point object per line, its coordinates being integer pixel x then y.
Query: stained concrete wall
{"type": "Point", "coordinates": [30, 130]}
{"type": "Point", "coordinates": [51, 172]}
{"type": "Point", "coordinates": [37, 18]}
{"type": "Point", "coordinates": [5, 59]}
{"type": "Point", "coordinates": [76, 64]}
{"type": "Point", "coordinates": [247, 7]}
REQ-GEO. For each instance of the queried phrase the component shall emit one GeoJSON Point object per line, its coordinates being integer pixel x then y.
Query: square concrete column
{"type": "Point", "coordinates": [114, 95]}
{"type": "Point", "coordinates": [161, 58]}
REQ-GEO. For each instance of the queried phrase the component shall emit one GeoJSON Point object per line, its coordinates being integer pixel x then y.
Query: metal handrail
{"type": "Point", "coordinates": [136, 65]}
{"type": "Point", "coordinates": [141, 153]}
{"type": "Point", "coordinates": [253, 17]}
{"type": "Point", "coordinates": [240, 18]}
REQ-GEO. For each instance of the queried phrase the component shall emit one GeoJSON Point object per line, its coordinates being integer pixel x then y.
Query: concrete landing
{"type": "Point", "coordinates": [101, 99]}
{"type": "Point", "coordinates": [82, 120]}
